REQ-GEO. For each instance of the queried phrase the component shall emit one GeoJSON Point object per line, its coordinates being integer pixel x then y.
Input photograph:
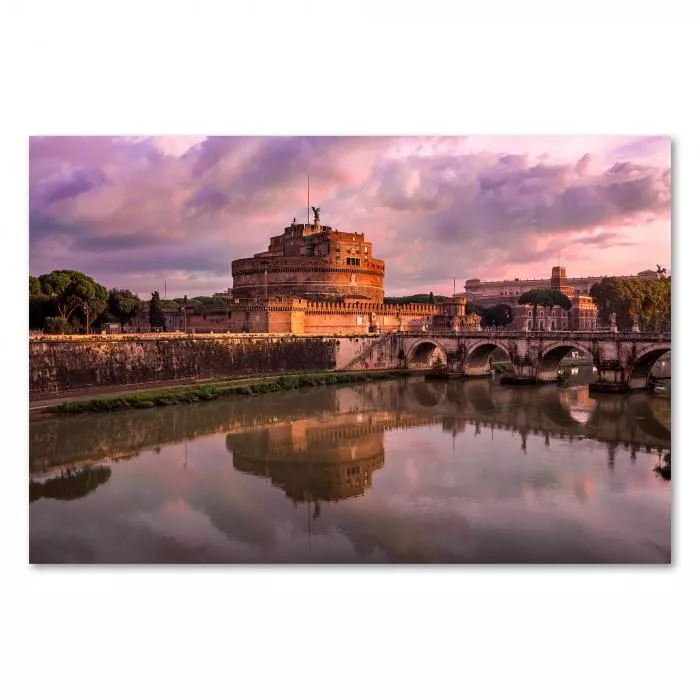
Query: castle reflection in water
{"type": "Point", "coordinates": [325, 445]}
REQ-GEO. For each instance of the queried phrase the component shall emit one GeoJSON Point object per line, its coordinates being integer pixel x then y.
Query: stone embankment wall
{"type": "Point", "coordinates": [369, 352]}
{"type": "Point", "coordinates": [60, 364]}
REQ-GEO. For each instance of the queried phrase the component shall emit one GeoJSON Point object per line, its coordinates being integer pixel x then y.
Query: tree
{"type": "Point", "coordinates": [156, 317]}
{"type": "Point", "coordinates": [557, 298]}
{"type": "Point", "coordinates": [55, 325]}
{"type": "Point", "coordinates": [123, 304]}
{"type": "Point", "coordinates": [431, 298]}
{"type": "Point", "coordinates": [34, 286]}
{"type": "Point", "coordinates": [41, 307]}
{"type": "Point", "coordinates": [201, 301]}
{"type": "Point", "coordinates": [648, 300]}
{"type": "Point", "coordinates": [498, 315]}
{"type": "Point", "coordinates": [535, 297]}
{"type": "Point", "coordinates": [544, 297]}
{"type": "Point", "coordinates": [73, 291]}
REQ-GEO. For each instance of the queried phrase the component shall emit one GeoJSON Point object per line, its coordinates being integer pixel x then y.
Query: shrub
{"type": "Point", "coordinates": [55, 325]}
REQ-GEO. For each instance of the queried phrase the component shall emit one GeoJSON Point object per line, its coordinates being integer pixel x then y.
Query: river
{"type": "Point", "coordinates": [405, 471]}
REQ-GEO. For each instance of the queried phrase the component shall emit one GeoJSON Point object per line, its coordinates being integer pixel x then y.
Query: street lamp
{"type": "Point", "coordinates": [183, 308]}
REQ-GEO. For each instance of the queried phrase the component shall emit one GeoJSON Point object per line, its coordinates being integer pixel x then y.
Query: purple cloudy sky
{"type": "Point", "coordinates": [135, 212]}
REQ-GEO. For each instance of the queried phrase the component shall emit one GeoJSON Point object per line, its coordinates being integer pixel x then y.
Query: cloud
{"type": "Point", "coordinates": [433, 207]}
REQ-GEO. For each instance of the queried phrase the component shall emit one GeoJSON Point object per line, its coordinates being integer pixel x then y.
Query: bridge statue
{"type": "Point", "coordinates": [317, 213]}
{"type": "Point", "coordinates": [613, 322]}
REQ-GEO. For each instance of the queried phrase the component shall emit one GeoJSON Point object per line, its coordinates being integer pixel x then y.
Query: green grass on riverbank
{"type": "Point", "coordinates": [210, 392]}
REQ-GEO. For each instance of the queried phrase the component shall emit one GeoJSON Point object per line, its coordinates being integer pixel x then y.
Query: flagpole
{"type": "Point", "coordinates": [308, 201]}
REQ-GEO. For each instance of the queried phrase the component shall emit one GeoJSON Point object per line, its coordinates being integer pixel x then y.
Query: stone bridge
{"type": "Point", "coordinates": [623, 360]}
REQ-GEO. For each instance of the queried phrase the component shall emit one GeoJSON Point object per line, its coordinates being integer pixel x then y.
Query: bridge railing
{"type": "Point", "coordinates": [607, 335]}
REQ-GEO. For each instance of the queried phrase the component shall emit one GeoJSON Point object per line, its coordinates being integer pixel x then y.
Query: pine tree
{"type": "Point", "coordinates": [156, 317]}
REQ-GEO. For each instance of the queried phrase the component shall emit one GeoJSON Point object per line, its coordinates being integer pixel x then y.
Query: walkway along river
{"type": "Point", "coordinates": [398, 471]}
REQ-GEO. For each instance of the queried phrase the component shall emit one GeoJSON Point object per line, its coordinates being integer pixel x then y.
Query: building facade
{"type": "Point", "coordinates": [485, 293]}
{"type": "Point", "coordinates": [583, 314]}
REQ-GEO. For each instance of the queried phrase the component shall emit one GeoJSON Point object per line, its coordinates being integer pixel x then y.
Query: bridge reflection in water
{"type": "Point", "coordinates": [334, 458]}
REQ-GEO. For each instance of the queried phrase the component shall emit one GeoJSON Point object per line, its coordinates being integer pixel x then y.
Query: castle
{"type": "Point", "coordinates": [314, 279]}
{"type": "Point", "coordinates": [314, 262]}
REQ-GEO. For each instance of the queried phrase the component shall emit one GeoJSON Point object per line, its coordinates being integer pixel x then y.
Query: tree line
{"type": "Point", "coordinates": [69, 301]}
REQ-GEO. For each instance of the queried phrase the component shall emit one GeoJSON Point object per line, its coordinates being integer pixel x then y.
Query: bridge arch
{"type": "Point", "coordinates": [479, 397]}
{"type": "Point", "coordinates": [477, 355]}
{"type": "Point", "coordinates": [629, 419]}
{"type": "Point", "coordinates": [554, 353]}
{"type": "Point", "coordinates": [642, 364]}
{"type": "Point", "coordinates": [427, 394]}
{"type": "Point", "coordinates": [550, 405]}
{"type": "Point", "coordinates": [423, 353]}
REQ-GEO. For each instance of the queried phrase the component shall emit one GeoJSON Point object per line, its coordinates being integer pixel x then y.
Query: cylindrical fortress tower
{"type": "Point", "coordinates": [310, 261]}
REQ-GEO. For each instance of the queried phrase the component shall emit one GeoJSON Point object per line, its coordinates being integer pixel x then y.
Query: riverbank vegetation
{"type": "Point", "coordinates": [214, 390]}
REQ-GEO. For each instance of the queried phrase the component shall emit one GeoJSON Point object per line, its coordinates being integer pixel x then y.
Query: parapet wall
{"type": "Point", "coordinates": [372, 307]}
{"type": "Point", "coordinates": [301, 316]}
{"type": "Point", "coordinates": [63, 364]}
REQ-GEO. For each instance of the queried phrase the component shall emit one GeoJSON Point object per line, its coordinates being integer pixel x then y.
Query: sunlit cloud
{"type": "Point", "coordinates": [135, 211]}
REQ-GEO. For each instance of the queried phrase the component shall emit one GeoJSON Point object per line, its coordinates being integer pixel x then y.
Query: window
{"type": "Point", "coordinates": [352, 261]}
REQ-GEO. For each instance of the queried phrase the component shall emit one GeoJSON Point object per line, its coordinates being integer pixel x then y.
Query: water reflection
{"type": "Point", "coordinates": [69, 484]}
{"type": "Point", "coordinates": [633, 421]}
{"type": "Point", "coordinates": [398, 471]}
{"type": "Point", "coordinates": [311, 461]}
{"type": "Point", "coordinates": [318, 460]}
